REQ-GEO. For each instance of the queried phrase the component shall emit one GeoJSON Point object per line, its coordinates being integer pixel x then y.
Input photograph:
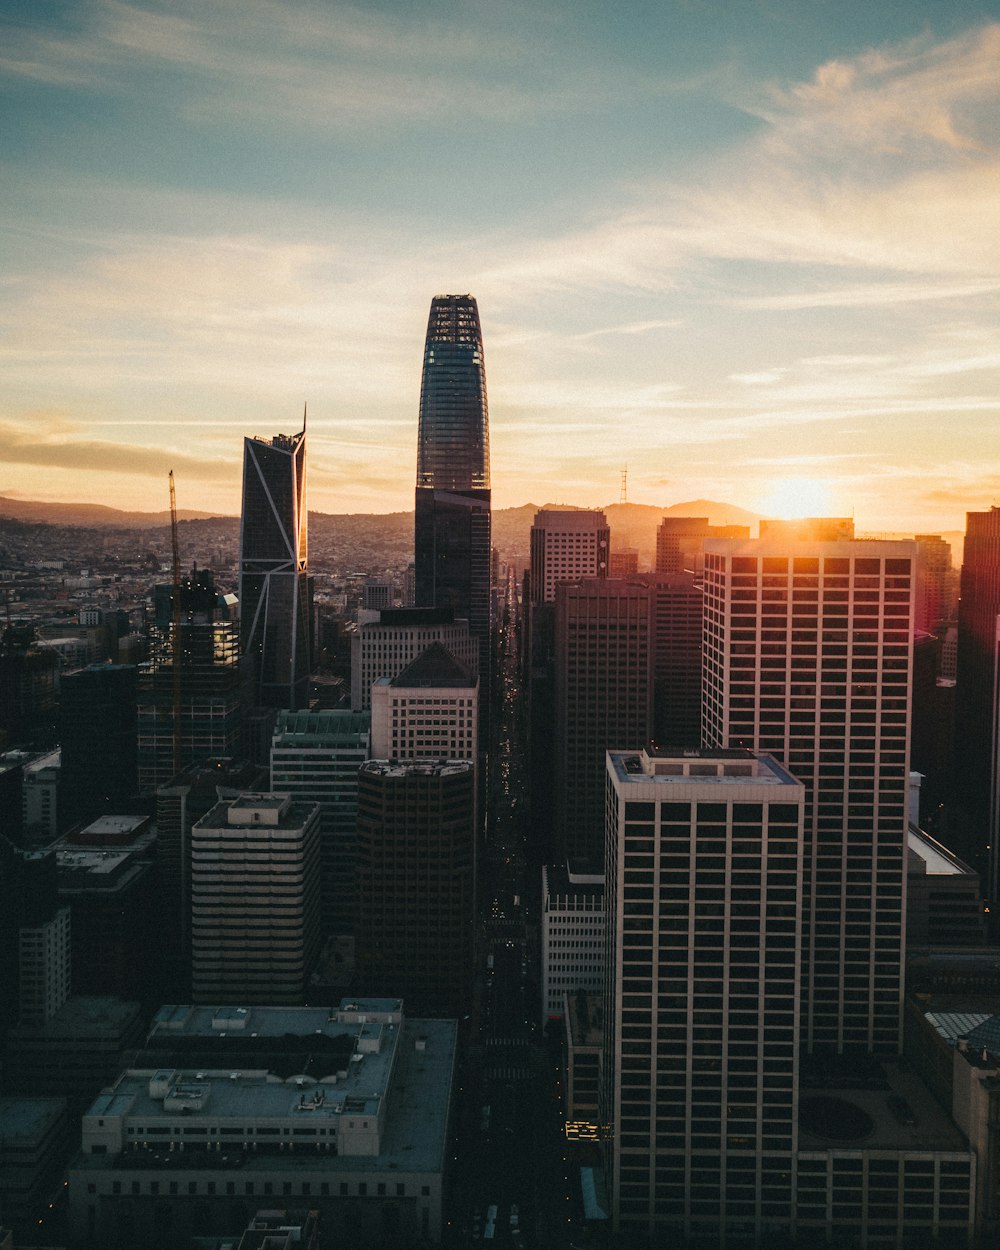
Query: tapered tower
{"type": "Point", "coordinates": [274, 587]}
{"type": "Point", "coordinates": [452, 531]}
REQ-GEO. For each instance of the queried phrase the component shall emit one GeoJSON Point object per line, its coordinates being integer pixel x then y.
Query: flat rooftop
{"type": "Point", "coordinates": [414, 1138]}
{"type": "Point", "coordinates": [30, 1118]}
{"type": "Point", "coordinates": [932, 1127]}
{"type": "Point", "coordinates": [84, 1017]}
{"type": "Point", "coordinates": [701, 768]}
{"type": "Point", "coordinates": [416, 768]}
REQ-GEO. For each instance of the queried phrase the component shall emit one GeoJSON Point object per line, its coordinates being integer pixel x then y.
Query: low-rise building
{"type": "Point", "coordinates": [343, 1111]}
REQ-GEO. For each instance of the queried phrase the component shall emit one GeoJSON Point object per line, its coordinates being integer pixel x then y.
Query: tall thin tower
{"type": "Point", "coordinates": [452, 528]}
{"type": "Point", "coordinates": [274, 588]}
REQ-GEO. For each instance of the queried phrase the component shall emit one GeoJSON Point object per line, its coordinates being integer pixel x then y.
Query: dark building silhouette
{"type": "Point", "coordinates": [28, 678]}
{"type": "Point", "coordinates": [976, 694]}
{"type": "Point", "coordinates": [275, 596]}
{"type": "Point", "coordinates": [453, 521]}
{"type": "Point", "coordinates": [415, 896]}
{"type": "Point", "coordinates": [97, 733]}
{"type": "Point", "coordinates": [566, 545]}
{"type": "Point", "coordinates": [209, 689]}
{"type": "Point", "coordinates": [28, 899]}
{"type": "Point", "coordinates": [677, 634]}
{"type": "Point", "coordinates": [603, 696]}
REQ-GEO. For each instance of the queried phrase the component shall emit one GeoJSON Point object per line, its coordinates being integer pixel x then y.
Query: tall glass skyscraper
{"type": "Point", "coordinates": [452, 531]}
{"type": "Point", "coordinates": [274, 587]}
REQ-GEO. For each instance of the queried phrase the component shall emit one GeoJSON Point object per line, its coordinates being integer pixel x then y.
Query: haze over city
{"type": "Point", "coordinates": [748, 249]}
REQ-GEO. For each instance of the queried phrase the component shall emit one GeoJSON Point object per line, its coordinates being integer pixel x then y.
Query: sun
{"type": "Point", "coordinates": [794, 497]}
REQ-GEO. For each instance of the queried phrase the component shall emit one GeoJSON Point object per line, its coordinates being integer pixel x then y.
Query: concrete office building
{"type": "Point", "coordinates": [40, 796]}
{"type": "Point", "coordinates": [704, 876]}
{"type": "Point", "coordinates": [573, 935]}
{"type": "Point", "coordinates": [714, 1137]}
{"type": "Point", "coordinates": [808, 658]}
{"type": "Point", "coordinates": [44, 957]}
{"type": "Point", "coordinates": [430, 711]}
{"type": "Point", "coordinates": [565, 546]}
{"type": "Point", "coordinates": [385, 645]}
{"type": "Point", "coordinates": [255, 878]}
{"type": "Point", "coordinates": [182, 801]}
{"type": "Point", "coordinates": [345, 1111]}
{"type": "Point", "coordinates": [315, 757]}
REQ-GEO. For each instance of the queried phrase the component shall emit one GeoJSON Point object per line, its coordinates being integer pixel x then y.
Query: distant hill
{"type": "Point", "coordinates": [632, 524]}
{"type": "Point", "coordinates": [90, 515]}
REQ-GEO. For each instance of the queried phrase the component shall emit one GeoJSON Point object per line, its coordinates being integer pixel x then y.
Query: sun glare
{"type": "Point", "coordinates": [794, 497]}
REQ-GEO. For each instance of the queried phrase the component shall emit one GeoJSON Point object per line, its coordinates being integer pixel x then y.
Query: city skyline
{"type": "Point", "coordinates": [748, 253]}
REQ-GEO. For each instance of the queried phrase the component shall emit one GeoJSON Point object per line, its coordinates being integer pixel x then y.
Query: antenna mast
{"type": "Point", "coordinates": [623, 495]}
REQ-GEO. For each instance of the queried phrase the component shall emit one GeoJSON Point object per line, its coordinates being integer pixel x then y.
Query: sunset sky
{"type": "Point", "coordinates": [751, 249]}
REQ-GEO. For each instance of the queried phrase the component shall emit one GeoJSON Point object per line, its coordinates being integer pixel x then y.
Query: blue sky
{"type": "Point", "coordinates": [749, 249]}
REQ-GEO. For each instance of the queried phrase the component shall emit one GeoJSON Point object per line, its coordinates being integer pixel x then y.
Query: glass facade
{"type": "Point", "coordinates": [274, 588]}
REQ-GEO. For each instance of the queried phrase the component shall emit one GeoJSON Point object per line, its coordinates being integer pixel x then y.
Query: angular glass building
{"type": "Point", "coordinates": [452, 529]}
{"type": "Point", "coordinates": [274, 587]}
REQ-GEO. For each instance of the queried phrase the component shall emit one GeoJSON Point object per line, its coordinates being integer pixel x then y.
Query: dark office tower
{"type": "Point", "coordinates": [566, 545]}
{"type": "Point", "coordinates": [936, 590]}
{"type": "Point", "coordinates": [97, 733]}
{"type": "Point", "coordinates": [603, 697]}
{"type": "Point", "coordinates": [452, 526]}
{"type": "Point", "coordinates": [677, 630]}
{"type": "Point", "coordinates": [808, 657]}
{"type": "Point", "coordinates": [415, 881]}
{"type": "Point", "coordinates": [315, 757]}
{"type": "Point", "coordinates": [977, 704]}
{"type": "Point", "coordinates": [274, 588]}
{"type": "Point", "coordinates": [678, 540]}
{"type": "Point", "coordinates": [208, 689]}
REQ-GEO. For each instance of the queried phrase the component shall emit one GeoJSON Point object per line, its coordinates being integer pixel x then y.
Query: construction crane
{"type": "Point", "coordinates": [175, 628]}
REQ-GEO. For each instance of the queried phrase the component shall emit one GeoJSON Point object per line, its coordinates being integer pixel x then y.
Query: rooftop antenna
{"type": "Point", "coordinates": [623, 495]}
{"type": "Point", "coordinates": [305, 407]}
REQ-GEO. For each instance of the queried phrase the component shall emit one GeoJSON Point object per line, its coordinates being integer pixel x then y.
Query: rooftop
{"type": "Point", "coordinates": [712, 768]}
{"type": "Point", "coordinates": [435, 666]}
{"type": "Point", "coordinates": [416, 768]}
{"type": "Point", "coordinates": [886, 1095]}
{"type": "Point", "coordinates": [29, 1117]}
{"type": "Point", "coordinates": [86, 1016]}
{"type": "Point", "coordinates": [937, 859]}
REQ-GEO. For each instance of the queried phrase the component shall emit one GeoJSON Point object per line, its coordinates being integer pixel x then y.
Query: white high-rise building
{"type": "Point", "coordinates": [704, 875]}
{"type": "Point", "coordinates": [383, 647]}
{"type": "Point", "coordinates": [807, 656]}
{"type": "Point", "coordinates": [566, 546]}
{"type": "Point", "coordinates": [429, 711]}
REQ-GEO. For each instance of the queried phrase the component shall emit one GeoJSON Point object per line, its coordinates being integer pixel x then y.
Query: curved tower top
{"type": "Point", "coordinates": [453, 438]}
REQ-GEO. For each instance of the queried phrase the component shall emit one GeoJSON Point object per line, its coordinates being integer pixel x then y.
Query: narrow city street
{"type": "Point", "coordinates": [512, 1184]}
